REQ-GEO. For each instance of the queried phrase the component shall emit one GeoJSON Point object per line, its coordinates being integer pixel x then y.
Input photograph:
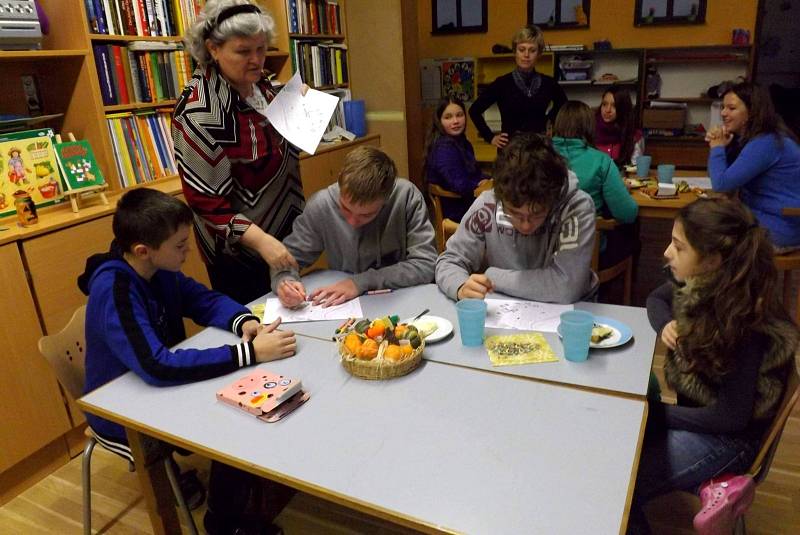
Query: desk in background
{"type": "Point", "coordinates": [444, 449]}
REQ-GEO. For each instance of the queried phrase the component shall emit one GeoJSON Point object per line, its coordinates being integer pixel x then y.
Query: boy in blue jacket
{"type": "Point", "coordinates": [137, 301]}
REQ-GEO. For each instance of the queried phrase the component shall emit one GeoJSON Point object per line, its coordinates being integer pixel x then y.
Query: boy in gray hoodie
{"type": "Point", "coordinates": [369, 224]}
{"type": "Point", "coordinates": [530, 237]}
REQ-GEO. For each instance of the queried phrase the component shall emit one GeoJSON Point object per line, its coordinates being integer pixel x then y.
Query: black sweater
{"type": "Point", "coordinates": [732, 412]}
{"type": "Point", "coordinates": [518, 112]}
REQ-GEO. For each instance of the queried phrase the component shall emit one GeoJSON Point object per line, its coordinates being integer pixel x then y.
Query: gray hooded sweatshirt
{"type": "Point", "coordinates": [553, 264]}
{"type": "Point", "coordinates": [395, 250]}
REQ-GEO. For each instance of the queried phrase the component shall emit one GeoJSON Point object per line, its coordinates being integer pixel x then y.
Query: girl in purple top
{"type": "Point", "coordinates": [753, 152]}
{"type": "Point", "coordinates": [450, 158]}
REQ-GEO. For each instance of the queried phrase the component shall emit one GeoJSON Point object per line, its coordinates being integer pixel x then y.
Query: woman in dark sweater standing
{"type": "Point", "coordinates": [526, 98]}
{"type": "Point", "coordinates": [731, 347]}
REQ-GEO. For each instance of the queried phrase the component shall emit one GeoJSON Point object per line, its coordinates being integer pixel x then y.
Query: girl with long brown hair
{"type": "Point", "coordinates": [753, 152]}
{"type": "Point", "coordinates": [731, 346]}
{"type": "Point", "coordinates": [615, 127]}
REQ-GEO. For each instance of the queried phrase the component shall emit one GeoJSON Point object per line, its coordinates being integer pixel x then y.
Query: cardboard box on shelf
{"type": "Point", "coordinates": [664, 117]}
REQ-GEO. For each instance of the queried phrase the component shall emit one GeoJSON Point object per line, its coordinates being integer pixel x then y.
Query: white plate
{"type": "Point", "coordinates": [443, 327]}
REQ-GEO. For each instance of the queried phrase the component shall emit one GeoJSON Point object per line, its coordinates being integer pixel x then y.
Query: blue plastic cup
{"type": "Point", "coordinates": [471, 320]}
{"type": "Point", "coordinates": [355, 117]}
{"type": "Point", "coordinates": [576, 333]}
{"type": "Point", "coordinates": [665, 173]}
{"type": "Point", "coordinates": [643, 166]}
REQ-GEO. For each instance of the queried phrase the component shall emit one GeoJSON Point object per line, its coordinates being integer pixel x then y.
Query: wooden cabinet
{"type": "Point", "coordinates": [56, 289]}
{"type": "Point", "coordinates": [319, 171]}
{"type": "Point", "coordinates": [32, 410]}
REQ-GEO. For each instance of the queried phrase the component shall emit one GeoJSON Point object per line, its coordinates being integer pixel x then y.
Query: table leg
{"type": "Point", "coordinates": [148, 455]}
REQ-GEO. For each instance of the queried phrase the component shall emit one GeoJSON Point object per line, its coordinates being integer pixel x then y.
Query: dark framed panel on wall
{"type": "Point", "coordinates": [459, 16]}
{"type": "Point", "coordinates": [559, 13]}
{"type": "Point", "coordinates": [669, 12]}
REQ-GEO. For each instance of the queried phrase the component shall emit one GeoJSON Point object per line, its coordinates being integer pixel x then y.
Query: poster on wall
{"type": "Point", "coordinates": [442, 77]}
{"type": "Point", "coordinates": [458, 79]}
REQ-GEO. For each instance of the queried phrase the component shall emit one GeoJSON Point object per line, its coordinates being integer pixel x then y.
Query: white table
{"type": "Point", "coordinates": [625, 369]}
{"type": "Point", "coordinates": [443, 449]}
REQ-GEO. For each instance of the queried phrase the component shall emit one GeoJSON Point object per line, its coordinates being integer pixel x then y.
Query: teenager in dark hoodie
{"type": "Point", "coordinates": [137, 301]}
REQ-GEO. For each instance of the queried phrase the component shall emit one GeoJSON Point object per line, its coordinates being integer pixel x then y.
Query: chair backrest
{"type": "Point", "coordinates": [436, 193]}
{"type": "Point", "coordinates": [760, 467]}
{"type": "Point", "coordinates": [601, 224]}
{"type": "Point", "coordinates": [65, 351]}
{"type": "Point", "coordinates": [483, 186]}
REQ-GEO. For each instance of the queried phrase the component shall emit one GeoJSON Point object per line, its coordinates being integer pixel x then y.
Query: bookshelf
{"type": "Point", "coordinates": [317, 42]}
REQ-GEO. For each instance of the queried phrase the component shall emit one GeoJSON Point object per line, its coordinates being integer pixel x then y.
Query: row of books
{"type": "Point", "coordinates": [314, 16]}
{"type": "Point", "coordinates": [320, 63]}
{"type": "Point", "coordinates": [141, 17]}
{"type": "Point", "coordinates": [143, 149]}
{"type": "Point", "coordinates": [141, 72]}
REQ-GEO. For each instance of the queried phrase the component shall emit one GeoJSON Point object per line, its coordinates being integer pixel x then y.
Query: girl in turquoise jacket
{"type": "Point", "coordinates": [573, 137]}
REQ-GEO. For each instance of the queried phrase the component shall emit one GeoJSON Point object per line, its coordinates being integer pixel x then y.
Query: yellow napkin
{"type": "Point", "coordinates": [525, 348]}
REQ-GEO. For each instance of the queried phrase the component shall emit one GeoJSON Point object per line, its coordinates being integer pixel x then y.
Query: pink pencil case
{"type": "Point", "coordinates": [266, 395]}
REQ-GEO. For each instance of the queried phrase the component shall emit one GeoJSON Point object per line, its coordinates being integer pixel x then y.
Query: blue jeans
{"type": "Point", "coordinates": [674, 459]}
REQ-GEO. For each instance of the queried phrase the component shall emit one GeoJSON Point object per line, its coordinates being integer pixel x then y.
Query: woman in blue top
{"type": "Point", "coordinates": [573, 138]}
{"type": "Point", "coordinates": [450, 158]}
{"type": "Point", "coordinates": [754, 152]}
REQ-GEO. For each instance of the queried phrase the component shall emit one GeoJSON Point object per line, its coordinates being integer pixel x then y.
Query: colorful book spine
{"type": "Point", "coordinates": [122, 81]}
{"type": "Point", "coordinates": [91, 17]}
{"type": "Point", "coordinates": [103, 64]}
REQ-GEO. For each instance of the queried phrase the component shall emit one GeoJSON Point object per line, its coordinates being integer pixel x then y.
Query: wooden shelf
{"type": "Point", "coordinates": [337, 86]}
{"type": "Point", "coordinates": [683, 100]}
{"type": "Point", "coordinates": [276, 54]}
{"type": "Point", "coordinates": [316, 36]}
{"type": "Point", "coordinates": [41, 55]}
{"type": "Point", "coordinates": [139, 106]}
{"type": "Point", "coordinates": [129, 38]}
{"type": "Point", "coordinates": [680, 139]}
{"type": "Point", "coordinates": [700, 59]}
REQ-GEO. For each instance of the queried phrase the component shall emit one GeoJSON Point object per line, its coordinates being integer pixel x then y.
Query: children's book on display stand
{"type": "Point", "coordinates": [79, 169]}
{"type": "Point", "coordinates": [28, 165]}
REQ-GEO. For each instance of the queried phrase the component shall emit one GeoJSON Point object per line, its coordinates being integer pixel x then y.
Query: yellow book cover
{"type": "Point", "coordinates": [28, 164]}
{"type": "Point", "coordinates": [124, 154]}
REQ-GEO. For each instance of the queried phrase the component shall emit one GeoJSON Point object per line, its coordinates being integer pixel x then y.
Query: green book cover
{"type": "Point", "coordinates": [78, 165]}
{"type": "Point", "coordinates": [28, 164]}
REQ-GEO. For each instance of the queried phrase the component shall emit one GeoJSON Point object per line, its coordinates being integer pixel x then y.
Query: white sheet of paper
{"type": "Point", "coordinates": [301, 119]}
{"type": "Point", "coordinates": [524, 315]}
{"type": "Point", "coordinates": [702, 182]}
{"type": "Point", "coordinates": [273, 309]}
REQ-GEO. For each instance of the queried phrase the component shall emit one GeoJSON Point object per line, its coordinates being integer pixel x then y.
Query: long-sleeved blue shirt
{"type": "Point", "coordinates": [767, 175]}
{"type": "Point", "coordinates": [131, 323]}
{"type": "Point", "coordinates": [451, 164]}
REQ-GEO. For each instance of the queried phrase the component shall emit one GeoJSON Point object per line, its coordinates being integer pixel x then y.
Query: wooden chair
{"type": "Point", "coordinates": [65, 353]}
{"type": "Point", "coordinates": [623, 268]}
{"type": "Point", "coordinates": [483, 186]}
{"type": "Point", "coordinates": [444, 227]}
{"type": "Point", "coordinates": [788, 263]}
{"type": "Point", "coordinates": [761, 465]}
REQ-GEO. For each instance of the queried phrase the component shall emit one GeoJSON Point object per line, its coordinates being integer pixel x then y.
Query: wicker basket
{"type": "Point", "coordinates": [379, 368]}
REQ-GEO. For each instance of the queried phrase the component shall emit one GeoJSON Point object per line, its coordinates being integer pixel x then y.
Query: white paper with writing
{"type": "Point", "coordinates": [524, 315]}
{"type": "Point", "coordinates": [309, 312]}
{"type": "Point", "coordinates": [301, 119]}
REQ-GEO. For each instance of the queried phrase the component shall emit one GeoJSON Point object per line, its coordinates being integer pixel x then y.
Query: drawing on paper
{"type": "Point", "coordinates": [273, 309]}
{"type": "Point", "coordinates": [524, 315]}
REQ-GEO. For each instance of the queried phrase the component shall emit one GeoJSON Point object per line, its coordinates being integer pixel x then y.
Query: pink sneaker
{"type": "Point", "coordinates": [723, 500]}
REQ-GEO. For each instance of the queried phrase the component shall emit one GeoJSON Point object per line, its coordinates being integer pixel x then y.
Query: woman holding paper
{"type": "Point", "coordinates": [239, 175]}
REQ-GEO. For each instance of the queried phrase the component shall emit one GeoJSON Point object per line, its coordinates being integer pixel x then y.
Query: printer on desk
{"type": "Point", "coordinates": [19, 25]}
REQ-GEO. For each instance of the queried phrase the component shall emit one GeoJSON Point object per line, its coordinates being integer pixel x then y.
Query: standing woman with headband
{"type": "Point", "coordinates": [240, 178]}
{"type": "Point", "coordinates": [239, 175]}
{"type": "Point", "coordinates": [527, 99]}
